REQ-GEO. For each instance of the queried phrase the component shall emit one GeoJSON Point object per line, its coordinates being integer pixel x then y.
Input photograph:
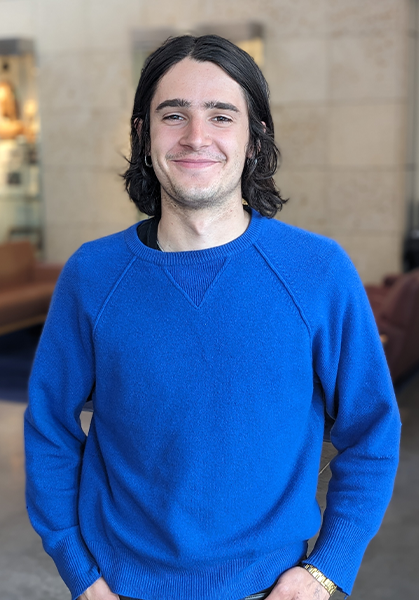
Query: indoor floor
{"type": "Point", "coordinates": [390, 570]}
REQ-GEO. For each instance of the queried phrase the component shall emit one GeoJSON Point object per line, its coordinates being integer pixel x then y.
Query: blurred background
{"type": "Point", "coordinates": [342, 75]}
{"type": "Point", "coordinates": [344, 80]}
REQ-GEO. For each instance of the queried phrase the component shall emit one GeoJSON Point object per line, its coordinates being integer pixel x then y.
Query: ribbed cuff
{"type": "Point", "coordinates": [75, 564]}
{"type": "Point", "coordinates": [338, 552]}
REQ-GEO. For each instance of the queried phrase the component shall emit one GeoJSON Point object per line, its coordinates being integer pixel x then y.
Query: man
{"type": "Point", "coordinates": [213, 342]}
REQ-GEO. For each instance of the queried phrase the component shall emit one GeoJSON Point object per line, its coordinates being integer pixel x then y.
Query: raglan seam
{"type": "Point", "coordinates": [111, 293]}
{"type": "Point", "coordinates": [287, 287]}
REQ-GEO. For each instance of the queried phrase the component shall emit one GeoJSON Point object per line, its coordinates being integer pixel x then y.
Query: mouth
{"type": "Point", "coordinates": [193, 163]}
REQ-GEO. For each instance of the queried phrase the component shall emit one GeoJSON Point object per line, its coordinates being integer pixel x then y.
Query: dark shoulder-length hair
{"type": "Point", "coordinates": [258, 186]}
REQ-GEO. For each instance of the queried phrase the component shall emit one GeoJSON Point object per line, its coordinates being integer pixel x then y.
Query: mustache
{"type": "Point", "coordinates": [196, 155]}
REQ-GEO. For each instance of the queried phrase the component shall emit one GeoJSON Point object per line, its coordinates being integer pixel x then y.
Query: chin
{"type": "Point", "coordinates": [197, 203]}
{"type": "Point", "coordinates": [197, 198]}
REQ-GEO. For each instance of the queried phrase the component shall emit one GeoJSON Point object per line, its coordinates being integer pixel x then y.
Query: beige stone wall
{"type": "Point", "coordinates": [337, 71]}
{"type": "Point", "coordinates": [339, 93]}
{"type": "Point", "coordinates": [86, 97]}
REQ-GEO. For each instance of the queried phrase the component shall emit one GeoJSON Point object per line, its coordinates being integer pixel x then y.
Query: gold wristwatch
{"type": "Point", "coordinates": [328, 584]}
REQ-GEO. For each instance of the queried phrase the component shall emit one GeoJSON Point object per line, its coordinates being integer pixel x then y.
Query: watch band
{"type": "Point", "coordinates": [328, 584]}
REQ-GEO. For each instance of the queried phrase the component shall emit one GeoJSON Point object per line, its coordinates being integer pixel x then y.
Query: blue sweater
{"type": "Point", "coordinates": [210, 373]}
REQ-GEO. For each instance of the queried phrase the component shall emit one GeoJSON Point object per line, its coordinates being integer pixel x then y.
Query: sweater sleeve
{"type": "Point", "coordinates": [62, 378]}
{"type": "Point", "coordinates": [350, 362]}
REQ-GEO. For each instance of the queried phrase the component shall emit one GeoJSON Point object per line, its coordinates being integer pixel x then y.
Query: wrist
{"type": "Point", "coordinates": [324, 581]}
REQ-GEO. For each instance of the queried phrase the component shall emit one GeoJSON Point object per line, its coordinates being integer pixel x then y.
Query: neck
{"type": "Point", "coordinates": [181, 230]}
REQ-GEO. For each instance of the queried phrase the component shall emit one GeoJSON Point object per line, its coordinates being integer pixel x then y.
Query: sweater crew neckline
{"type": "Point", "coordinates": [237, 245]}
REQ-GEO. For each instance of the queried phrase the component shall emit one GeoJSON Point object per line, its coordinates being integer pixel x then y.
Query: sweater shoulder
{"type": "Point", "coordinates": [316, 270]}
{"type": "Point", "coordinates": [92, 272]}
{"type": "Point", "coordinates": [102, 258]}
{"type": "Point", "coordinates": [109, 250]}
{"type": "Point", "coordinates": [298, 253]}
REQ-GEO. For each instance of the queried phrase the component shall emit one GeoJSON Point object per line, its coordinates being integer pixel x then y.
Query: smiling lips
{"type": "Point", "coordinates": [196, 163]}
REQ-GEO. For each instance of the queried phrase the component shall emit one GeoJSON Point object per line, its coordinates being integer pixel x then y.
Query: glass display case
{"type": "Point", "coordinates": [20, 197]}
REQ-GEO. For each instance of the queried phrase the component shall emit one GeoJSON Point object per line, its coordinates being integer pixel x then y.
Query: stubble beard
{"type": "Point", "coordinates": [198, 198]}
{"type": "Point", "coordinates": [195, 199]}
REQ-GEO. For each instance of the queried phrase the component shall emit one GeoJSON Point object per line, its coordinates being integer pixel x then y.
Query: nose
{"type": "Point", "coordinates": [196, 135]}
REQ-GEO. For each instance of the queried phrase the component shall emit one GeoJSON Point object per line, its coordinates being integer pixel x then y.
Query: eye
{"type": "Point", "coordinates": [222, 119]}
{"type": "Point", "coordinates": [173, 118]}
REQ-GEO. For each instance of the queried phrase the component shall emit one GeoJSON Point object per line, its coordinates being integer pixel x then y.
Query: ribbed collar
{"type": "Point", "coordinates": [241, 243]}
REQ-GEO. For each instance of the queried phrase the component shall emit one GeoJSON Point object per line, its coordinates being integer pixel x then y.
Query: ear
{"type": "Point", "coordinates": [249, 151]}
{"type": "Point", "coordinates": [138, 125]}
{"type": "Point", "coordinates": [252, 150]}
{"type": "Point", "coordinates": [257, 147]}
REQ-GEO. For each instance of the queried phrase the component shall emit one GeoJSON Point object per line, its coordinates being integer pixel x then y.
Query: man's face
{"type": "Point", "coordinates": [199, 132]}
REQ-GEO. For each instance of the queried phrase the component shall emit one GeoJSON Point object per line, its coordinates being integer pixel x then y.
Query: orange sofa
{"type": "Point", "coordinates": [395, 305]}
{"type": "Point", "coordinates": [26, 286]}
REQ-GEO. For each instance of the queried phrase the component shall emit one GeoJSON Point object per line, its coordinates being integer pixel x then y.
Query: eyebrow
{"type": "Point", "coordinates": [181, 103]}
{"type": "Point", "coordinates": [221, 106]}
{"type": "Point", "coordinates": [174, 103]}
